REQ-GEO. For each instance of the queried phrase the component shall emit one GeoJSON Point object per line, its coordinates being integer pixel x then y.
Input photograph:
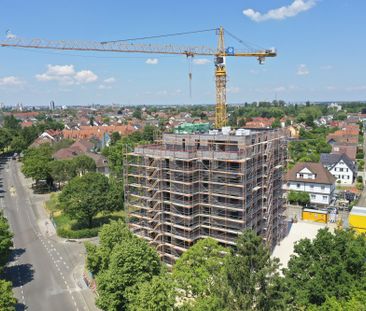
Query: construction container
{"type": "Point", "coordinates": [357, 219]}
{"type": "Point", "coordinates": [315, 215]}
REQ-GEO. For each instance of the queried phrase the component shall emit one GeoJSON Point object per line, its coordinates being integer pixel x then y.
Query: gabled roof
{"type": "Point", "coordinates": [322, 176]}
{"type": "Point", "coordinates": [332, 159]}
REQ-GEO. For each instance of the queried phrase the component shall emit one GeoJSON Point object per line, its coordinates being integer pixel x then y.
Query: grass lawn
{"type": "Point", "coordinates": [70, 228]}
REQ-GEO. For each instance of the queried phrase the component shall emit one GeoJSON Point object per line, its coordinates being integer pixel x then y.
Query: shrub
{"type": "Point", "coordinates": [77, 234]}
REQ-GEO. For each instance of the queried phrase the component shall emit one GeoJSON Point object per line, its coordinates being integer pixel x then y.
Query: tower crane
{"type": "Point", "coordinates": [127, 46]}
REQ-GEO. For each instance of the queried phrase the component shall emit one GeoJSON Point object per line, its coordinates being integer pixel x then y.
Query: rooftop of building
{"type": "Point", "coordinates": [322, 176]}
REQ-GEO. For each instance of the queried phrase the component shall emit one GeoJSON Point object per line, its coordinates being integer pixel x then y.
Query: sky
{"type": "Point", "coordinates": [320, 45]}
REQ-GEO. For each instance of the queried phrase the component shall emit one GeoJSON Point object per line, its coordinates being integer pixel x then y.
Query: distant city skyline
{"type": "Point", "coordinates": [320, 52]}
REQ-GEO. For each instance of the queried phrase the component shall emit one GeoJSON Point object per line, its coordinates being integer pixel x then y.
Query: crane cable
{"type": "Point", "coordinates": [161, 36]}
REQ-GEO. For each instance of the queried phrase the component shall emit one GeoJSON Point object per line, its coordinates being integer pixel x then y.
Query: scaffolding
{"type": "Point", "coordinates": [192, 186]}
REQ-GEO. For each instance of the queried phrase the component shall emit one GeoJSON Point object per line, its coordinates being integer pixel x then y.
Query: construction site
{"type": "Point", "coordinates": [197, 182]}
{"type": "Point", "coordinates": [216, 184]}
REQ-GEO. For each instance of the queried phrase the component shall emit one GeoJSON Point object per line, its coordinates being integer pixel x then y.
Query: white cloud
{"type": "Point", "coordinates": [296, 7]}
{"type": "Point", "coordinates": [10, 81]}
{"type": "Point", "coordinates": [58, 70]}
{"type": "Point", "coordinates": [109, 80]}
{"type": "Point", "coordinates": [233, 90]}
{"type": "Point", "coordinates": [104, 87]}
{"type": "Point", "coordinates": [152, 61]}
{"type": "Point", "coordinates": [85, 76]}
{"type": "Point", "coordinates": [302, 70]}
{"type": "Point", "coordinates": [356, 88]}
{"type": "Point", "coordinates": [66, 75]}
{"type": "Point", "coordinates": [201, 61]}
{"type": "Point", "coordinates": [330, 88]}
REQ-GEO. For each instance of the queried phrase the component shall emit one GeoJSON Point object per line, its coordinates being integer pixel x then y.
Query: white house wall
{"type": "Point", "coordinates": [319, 193]}
{"type": "Point", "coordinates": [342, 173]}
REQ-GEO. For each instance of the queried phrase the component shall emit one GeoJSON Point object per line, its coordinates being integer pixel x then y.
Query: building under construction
{"type": "Point", "coordinates": [216, 184]}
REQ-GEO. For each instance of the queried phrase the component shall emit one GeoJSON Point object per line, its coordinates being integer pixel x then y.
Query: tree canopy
{"type": "Point", "coordinates": [331, 265]}
{"type": "Point", "coordinates": [131, 262]}
{"type": "Point", "coordinates": [86, 196]}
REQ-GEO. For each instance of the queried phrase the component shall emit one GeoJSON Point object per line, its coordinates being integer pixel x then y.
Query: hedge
{"type": "Point", "coordinates": [77, 234]}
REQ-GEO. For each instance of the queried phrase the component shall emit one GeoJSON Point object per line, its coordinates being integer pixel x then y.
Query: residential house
{"type": "Point", "coordinates": [348, 134]}
{"type": "Point", "coordinates": [340, 166]}
{"type": "Point", "coordinates": [312, 178]}
{"type": "Point", "coordinates": [47, 137]}
{"type": "Point", "coordinates": [84, 147]}
{"type": "Point", "coordinates": [87, 132]}
{"type": "Point", "coordinates": [259, 122]}
{"type": "Point", "coordinates": [347, 148]}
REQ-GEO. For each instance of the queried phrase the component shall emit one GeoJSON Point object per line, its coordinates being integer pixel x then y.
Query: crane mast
{"type": "Point", "coordinates": [220, 80]}
{"type": "Point", "coordinates": [122, 46]}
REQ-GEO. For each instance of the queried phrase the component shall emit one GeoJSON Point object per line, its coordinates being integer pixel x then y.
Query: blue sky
{"type": "Point", "coordinates": [320, 43]}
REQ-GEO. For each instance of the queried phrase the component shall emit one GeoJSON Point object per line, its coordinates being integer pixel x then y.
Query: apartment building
{"type": "Point", "coordinates": [216, 184]}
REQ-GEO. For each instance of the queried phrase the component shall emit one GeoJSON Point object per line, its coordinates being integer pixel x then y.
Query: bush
{"type": "Point", "coordinates": [77, 234]}
{"type": "Point", "coordinates": [298, 197]}
{"type": "Point", "coordinates": [359, 179]}
{"type": "Point", "coordinates": [359, 186]}
{"type": "Point", "coordinates": [360, 164]}
{"type": "Point", "coordinates": [360, 155]}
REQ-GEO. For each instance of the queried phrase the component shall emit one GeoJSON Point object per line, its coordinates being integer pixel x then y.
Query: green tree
{"type": "Point", "coordinates": [35, 163]}
{"type": "Point", "coordinates": [115, 195]}
{"type": "Point", "coordinates": [276, 124]}
{"type": "Point", "coordinates": [299, 197]}
{"type": "Point", "coordinates": [5, 138]}
{"type": "Point", "coordinates": [84, 197]}
{"type": "Point", "coordinates": [7, 300]}
{"type": "Point", "coordinates": [131, 262]}
{"type": "Point", "coordinates": [331, 265]}
{"type": "Point", "coordinates": [115, 136]}
{"type": "Point", "coordinates": [251, 277]}
{"type": "Point", "coordinates": [11, 123]}
{"type": "Point", "coordinates": [156, 294]}
{"type": "Point", "coordinates": [6, 241]}
{"type": "Point", "coordinates": [109, 236]}
{"type": "Point", "coordinates": [83, 164]}
{"type": "Point", "coordinates": [62, 170]}
{"type": "Point", "coordinates": [137, 113]}
{"type": "Point", "coordinates": [197, 267]}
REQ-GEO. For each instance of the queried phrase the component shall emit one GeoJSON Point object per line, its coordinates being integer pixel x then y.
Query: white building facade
{"type": "Point", "coordinates": [341, 167]}
{"type": "Point", "coordinates": [314, 179]}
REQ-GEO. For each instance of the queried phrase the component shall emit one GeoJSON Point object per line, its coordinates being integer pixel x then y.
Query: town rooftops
{"type": "Point", "coordinates": [322, 176]}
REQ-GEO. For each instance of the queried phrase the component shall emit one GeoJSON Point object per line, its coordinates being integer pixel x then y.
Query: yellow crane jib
{"type": "Point", "coordinates": [129, 46]}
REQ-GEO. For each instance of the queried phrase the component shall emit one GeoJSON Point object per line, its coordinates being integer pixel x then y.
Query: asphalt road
{"type": "Point", "coordinates": [43, 268]}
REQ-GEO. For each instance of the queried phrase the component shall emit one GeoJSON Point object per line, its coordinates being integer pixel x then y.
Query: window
{"type": "Point", "coordinates": [313, 196]}
{"type": "Point", "coordinates": [322, 187]}
{"type": "Point", "coordinates": [311, 186]}
{"type": "Point", "coordinates": [325, 197]}
{"type": "Point", "coordinates": [341, 169]}
{"type": "Point", "coordinates": [346, 169]}
{"type": "Point", "coordinates": [298, 185]}
{"type": "Point", "coordinates": [301, 175]}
